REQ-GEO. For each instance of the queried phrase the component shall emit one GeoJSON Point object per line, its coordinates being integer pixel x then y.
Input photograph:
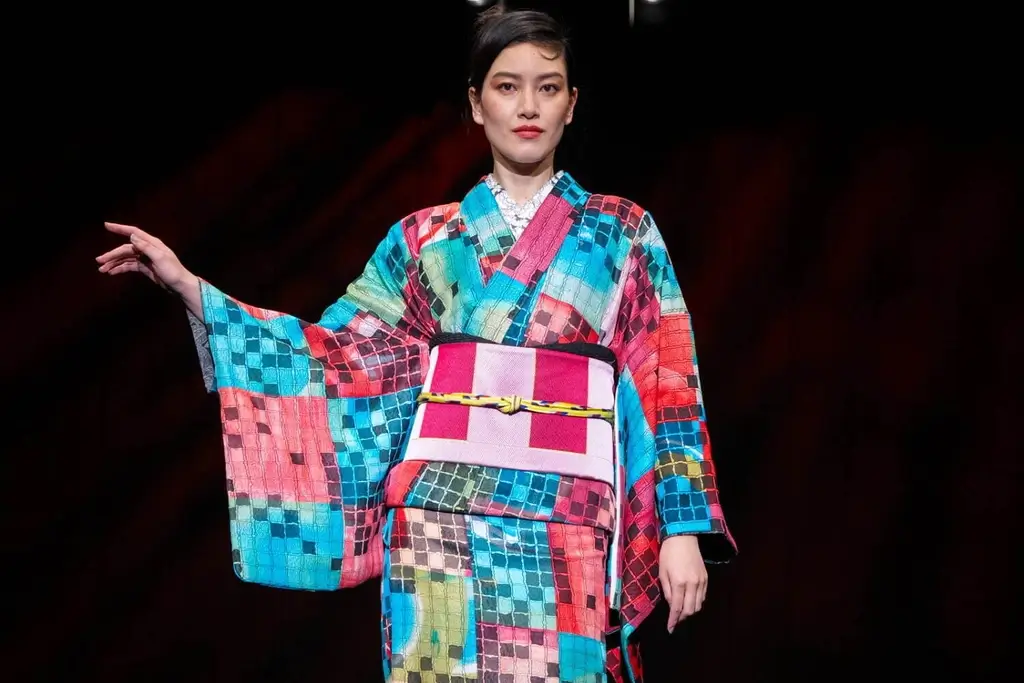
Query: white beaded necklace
{"type": "Point", "coordinates": [516, 215]}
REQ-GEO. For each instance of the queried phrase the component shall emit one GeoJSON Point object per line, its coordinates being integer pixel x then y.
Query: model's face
{"type": "Point", "coordinates": [524, 103]}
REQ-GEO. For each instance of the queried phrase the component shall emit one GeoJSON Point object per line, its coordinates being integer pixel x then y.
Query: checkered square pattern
{"type": "Point", "coordinates": [501, 491]}
{"type": "Point", "coordinates": [430, 632]}
{"type": "Point", "coordinates": [286, 543]}
{"type": "Point", "coordinates": [278, 447]}
{"type": "Point", "coordinates": [511, 559]}
{"type": "Point", "coordinates": [492, 566]}
{"type": "Point", "coordinates": [557, 322]}
{"type": "Point", "coordinates": [478, 598]}
{"type": "Point", "coordinates": [524, 655]}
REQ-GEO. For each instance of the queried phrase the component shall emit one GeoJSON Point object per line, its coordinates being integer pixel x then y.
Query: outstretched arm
{"type": "Point", "coordinates": [313, 414]}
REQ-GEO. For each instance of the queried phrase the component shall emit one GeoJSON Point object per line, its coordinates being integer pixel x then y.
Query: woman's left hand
{"type": "Point", "coordinates": [684, 578]}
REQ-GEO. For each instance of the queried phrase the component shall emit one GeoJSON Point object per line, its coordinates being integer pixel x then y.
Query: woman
{"type": "Point", "coordinates": [501, 416]}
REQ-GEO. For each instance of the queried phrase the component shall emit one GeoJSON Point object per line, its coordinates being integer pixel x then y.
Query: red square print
{"type": "Point", "coordinates": [276, 446]}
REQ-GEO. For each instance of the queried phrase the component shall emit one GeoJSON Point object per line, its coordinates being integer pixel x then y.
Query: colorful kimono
{"type": "Point", "coordinates": [370, 444]}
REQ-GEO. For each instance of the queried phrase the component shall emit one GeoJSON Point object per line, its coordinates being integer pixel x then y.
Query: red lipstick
{"type": "Point", "coordinates": [528, 132]}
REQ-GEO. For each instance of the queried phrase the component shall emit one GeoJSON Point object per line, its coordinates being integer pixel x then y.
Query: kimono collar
{"type": "Point", "coordinates": [518, 216]}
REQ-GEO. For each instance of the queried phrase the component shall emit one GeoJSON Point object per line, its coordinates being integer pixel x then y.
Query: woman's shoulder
{"type": "Point", "coordinates": [628, 211]}
{"type": "Point", "coordinates": [432, 214]}
{"type": "Point", "coordinates": [420, 226]}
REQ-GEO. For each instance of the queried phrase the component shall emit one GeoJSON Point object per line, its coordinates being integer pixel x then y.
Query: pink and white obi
{"type": "Point", "coordinates": [524, 440]}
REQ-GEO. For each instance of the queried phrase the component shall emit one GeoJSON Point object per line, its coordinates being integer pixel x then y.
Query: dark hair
{"type": "Point", "coordinates": [497, 28]}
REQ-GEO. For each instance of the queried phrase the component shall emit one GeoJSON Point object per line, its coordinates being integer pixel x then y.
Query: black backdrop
{"type": "Point", "coordinates": [839, 189]}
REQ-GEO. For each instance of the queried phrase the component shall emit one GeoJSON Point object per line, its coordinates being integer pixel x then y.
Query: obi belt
{"type": "Point", "coordinates": [546, 409]}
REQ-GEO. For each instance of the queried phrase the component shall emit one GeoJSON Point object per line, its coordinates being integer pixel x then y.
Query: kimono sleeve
{"type": "Point", "coordinates": [314, 414]}
{"type": "Point", "coordinates": [661, 358]}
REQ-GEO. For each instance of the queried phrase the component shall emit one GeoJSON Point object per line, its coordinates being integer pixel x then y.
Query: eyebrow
{"type": "Point", "coordinates": [509, 74]}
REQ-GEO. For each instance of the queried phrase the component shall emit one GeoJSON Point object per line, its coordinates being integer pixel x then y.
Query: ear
{"type": "Point", "coordinates": [572, 105]}
{"type": "Point", "coordinates": [474, 103]}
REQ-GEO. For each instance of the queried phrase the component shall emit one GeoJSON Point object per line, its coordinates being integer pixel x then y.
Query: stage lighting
{"type": "Point", "coordinates": [653, 13]}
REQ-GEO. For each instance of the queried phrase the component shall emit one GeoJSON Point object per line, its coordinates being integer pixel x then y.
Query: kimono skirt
{"type": "Point", "coordinates": [500, 520]}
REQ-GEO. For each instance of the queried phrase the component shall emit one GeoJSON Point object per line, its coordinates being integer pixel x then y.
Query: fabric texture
{"type": "Point", "coordinates": [316, 417]}
{"type": "Point", "coordinates": [478, 597]}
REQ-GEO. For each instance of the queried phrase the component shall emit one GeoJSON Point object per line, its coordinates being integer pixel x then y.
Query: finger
{"type": "Point", "coordinates": [666, 590]}
{"type": "Point", "coordinates": [107, 267]}
{"type": "Point", "coordinates": [130, 230]}
{"type": "Point", "coordinates": [120, 228]}
{"type": "Point", "coordinates": [146, 246]}
{"type": "Point", "coordinates": [690, 601]}
{"type": "Point", "coordinates": [136, 267]}
{"type": "Point", "coordinates": [117, 253]}
{"type": "Point", "coordinates": [676, 607]}
{"type": "Point", "coordinates": [703, 594]}
{"type": "Point", "coordinates": [126, 267]}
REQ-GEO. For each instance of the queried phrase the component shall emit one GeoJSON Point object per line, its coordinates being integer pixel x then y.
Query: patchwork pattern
{"type": "Point", "coordinates": [430, 626]}
{"type": "Point", "coordinates": [478, 598]}
{"type": "Point", "coordinates": [317, 416]}
{"type": "Point", "coordinates": [287, 544]}
{"type": "Point", "coordinates": [500, 491]}
{"type": "Point", "coordinates": [557, 322]}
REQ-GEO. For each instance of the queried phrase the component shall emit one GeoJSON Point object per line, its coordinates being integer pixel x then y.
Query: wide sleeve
{"type": "Point", "coordinates": [667, 445]}
{"type": "Point", "coordinates": [313, 416]}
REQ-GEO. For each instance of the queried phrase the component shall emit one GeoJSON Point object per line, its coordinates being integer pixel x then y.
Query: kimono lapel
{"type": "Point", "coordinates": [486, 229]}
{"type": "Point", "coordinates": [508, 280]}
{"type": "Point", "coordinates": [533, 252]}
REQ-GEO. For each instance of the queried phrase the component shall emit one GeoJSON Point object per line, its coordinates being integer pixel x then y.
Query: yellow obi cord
{"type": "Point", "coordinates": [513, 404]}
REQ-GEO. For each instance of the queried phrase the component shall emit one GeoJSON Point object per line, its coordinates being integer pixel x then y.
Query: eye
{"type": "Point", "coordinates": [550, 88]}
{"type": "Point", "coordinates": [506, 87]}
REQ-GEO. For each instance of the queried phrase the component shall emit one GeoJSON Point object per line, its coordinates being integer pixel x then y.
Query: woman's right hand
{"type": "Point", "coordinates": [146, 254]}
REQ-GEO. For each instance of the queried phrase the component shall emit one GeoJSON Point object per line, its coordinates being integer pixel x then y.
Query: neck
{"type": "Point", "coordinates": [522, 181]}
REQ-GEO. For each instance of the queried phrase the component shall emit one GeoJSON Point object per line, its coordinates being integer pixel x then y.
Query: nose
{"type": "Point", "coordinates": [528, 106]}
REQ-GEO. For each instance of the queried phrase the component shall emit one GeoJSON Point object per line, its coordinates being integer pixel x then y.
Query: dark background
{"type": "Point", "coordinates": [840, 190]}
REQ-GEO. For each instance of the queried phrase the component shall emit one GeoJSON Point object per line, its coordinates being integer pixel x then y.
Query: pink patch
{"type": "Point", "coordinates": [560, 377]}
{"type": "Point", "coordinates": [257, 312]}
{"type": "Point", "coordinates": [453, 374]}
{"type": "Point", "coordinates": [528, 662]}
{"type": "Point", "coordinates": [551, 223]}
{"type": "Point", "coordinates": [501, 373]}
{"type": "Point", "coordinates": [273, 445]}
